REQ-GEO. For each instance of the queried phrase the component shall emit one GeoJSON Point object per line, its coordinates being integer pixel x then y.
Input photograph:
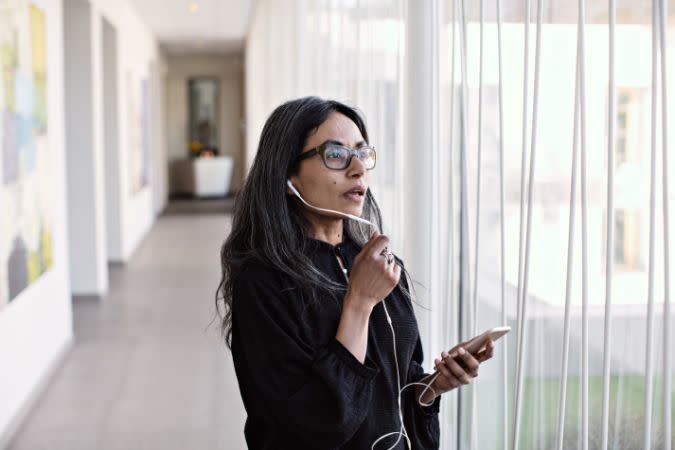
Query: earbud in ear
{"type": "Point", "coordinates": [291, 188]}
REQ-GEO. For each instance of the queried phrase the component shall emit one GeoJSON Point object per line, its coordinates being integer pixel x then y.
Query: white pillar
{"type": "Point", "coordinates": [84, 164]}
{"type": "Point", "coordinates": [111, 148]}
{"type": "Point", "coordinates": [160, 159]}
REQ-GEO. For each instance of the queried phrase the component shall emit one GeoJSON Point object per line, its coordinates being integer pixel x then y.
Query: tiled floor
{"type": "Point", "coordinates": [217, 205]}
{"type": "Point", "coordinates": [148, 369]}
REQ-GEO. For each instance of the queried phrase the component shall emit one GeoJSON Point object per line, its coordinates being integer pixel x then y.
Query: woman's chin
{"type": "Point", "coordinates": [351, 211]}
{"type": "Point", "coordinates": [355, 211]}
{"type": "Point", "coordinates": [342, 210]}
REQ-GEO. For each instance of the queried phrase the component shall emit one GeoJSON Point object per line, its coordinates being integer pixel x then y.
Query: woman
{"type": "Point", "coordinates": [302, 292]}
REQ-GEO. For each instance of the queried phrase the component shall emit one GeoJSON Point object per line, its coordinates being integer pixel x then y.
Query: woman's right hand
{"type": "Point", "coordinates": [372, 278]}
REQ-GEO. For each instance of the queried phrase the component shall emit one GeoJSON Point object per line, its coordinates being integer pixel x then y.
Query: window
{"type": "Point", "coordinates": [547, 275]}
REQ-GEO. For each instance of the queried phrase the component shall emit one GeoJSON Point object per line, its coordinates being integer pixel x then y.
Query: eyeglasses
{"type": "Point", "coordinates": [339, 157]}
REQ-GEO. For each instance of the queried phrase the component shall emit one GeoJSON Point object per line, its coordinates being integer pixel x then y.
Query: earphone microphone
{"type": "Point", "coordinates": [402, 431]}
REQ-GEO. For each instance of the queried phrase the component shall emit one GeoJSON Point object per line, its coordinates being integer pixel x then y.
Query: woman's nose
{"type": "Point", "coordinates": [356, 167]}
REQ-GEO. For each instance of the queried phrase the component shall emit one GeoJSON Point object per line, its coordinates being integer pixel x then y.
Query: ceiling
{"type": "Point", "coordinates": [197, 26]}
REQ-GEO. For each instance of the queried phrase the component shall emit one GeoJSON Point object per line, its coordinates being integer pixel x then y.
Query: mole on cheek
{"type": "Point", "coordinates": [334, 182]}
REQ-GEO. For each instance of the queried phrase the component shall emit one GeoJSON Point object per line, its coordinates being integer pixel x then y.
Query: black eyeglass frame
{"type": "Point", "coordinates": [321, 150]}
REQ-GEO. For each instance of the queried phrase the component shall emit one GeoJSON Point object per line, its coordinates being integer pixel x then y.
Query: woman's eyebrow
{"type": "Point", "coordinates": [331, 141]}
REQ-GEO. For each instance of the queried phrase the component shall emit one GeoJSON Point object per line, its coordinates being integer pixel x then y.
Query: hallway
{"type": "Point", "coordinates": [520, 161]}
{"type": "Point", "coordinates": [147, 369]}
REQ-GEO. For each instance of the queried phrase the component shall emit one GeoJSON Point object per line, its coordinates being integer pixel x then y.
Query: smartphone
{"type": "Point", "coordinates": [477, 344]}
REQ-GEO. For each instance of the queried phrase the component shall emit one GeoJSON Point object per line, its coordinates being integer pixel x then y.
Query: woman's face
{"type": "Point", "coordinates": [324, 187]}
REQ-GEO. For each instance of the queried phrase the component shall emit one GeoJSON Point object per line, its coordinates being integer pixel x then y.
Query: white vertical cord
{"type": "Point", "coordinates": [474, 322]}
{"type": "Point", "coordinates": [652, 222]}
{"type": "Point", "coordinates": [584, 225]}
{"type": "Point", "coordinates": [464, 188]}
{"type": "Point", "coordinates": [523, 317]}
{"type": "Point", "coordinates": [337, 18]}
{"type": "Point", "coordinates": [357, 38]}
{"type": "Point", "coordinates": [402, 14]}
{"type": "Point", "coordinates": [562, 400]}
{"type": "Point", "coordinates": [609, 262]}
{"type": "Point", "coordinates": [322, 47]}
{"type": "Point", "coordinates": [667, 378]}
{"type": "Point", "coordinates": [465, 92]}
{"type": "Point", "coordinates": [439, 47]}
{"type": "Point", "coordinates": [450, 287]}
{"type": "Point", "coordinates": [433, 177]}
{"type": "Point", "coordinates": [504, 352]}
{"type": "Point", "coordinates": [523, 167]}
{"type": "Point", "coordinates": [370, 82]}
{"type": "Point", "coordinates": [478, 175]}
{"type": "Point", "coordinates": [465, 112]}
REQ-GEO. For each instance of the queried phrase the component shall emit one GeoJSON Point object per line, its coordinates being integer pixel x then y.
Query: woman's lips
{"type": "Point", "coordinates": [354, 197]}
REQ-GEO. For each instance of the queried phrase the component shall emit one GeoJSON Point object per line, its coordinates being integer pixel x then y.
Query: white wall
{"type": "Point", "coordinates": [138, 57]}
{"type": "Point", "coordinates": [229, 70]}
{"type": "Point", "coordinates": [129, 214]}
{"type": "Point", "coordinates": [36, 328]}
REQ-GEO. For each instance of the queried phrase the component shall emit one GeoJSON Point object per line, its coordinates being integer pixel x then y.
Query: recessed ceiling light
{"type": "Point", "coordinates": [194, 7]}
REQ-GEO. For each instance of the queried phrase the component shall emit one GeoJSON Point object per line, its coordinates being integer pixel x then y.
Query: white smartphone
{"type": "Point", "coordinates": [477, 344]}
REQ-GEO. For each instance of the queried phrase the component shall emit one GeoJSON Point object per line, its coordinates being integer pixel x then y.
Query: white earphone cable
{"type": "Point", "coordinates": [402, 432]}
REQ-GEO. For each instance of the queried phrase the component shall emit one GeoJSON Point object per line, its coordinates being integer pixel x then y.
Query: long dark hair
{"type": "Point", "coordinates": [268, 225]}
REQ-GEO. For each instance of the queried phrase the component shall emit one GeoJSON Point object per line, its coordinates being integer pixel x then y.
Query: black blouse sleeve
{"type": "Point", "coordinates": [320, 395]}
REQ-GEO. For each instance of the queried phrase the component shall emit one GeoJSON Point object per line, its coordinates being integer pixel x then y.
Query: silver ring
{"type": "Point", "coordinates": [389, 255]}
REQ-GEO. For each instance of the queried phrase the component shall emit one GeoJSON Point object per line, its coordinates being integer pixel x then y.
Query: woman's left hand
{"type": "Point", "coordinates": [455, 368]}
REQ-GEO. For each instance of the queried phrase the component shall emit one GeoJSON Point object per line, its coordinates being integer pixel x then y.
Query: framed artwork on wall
{"type": "Point", "coordinates": [25, 161]}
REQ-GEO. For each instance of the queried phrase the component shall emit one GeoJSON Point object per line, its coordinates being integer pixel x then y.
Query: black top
{"type": "Point", "coordinates": [302, 388]}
